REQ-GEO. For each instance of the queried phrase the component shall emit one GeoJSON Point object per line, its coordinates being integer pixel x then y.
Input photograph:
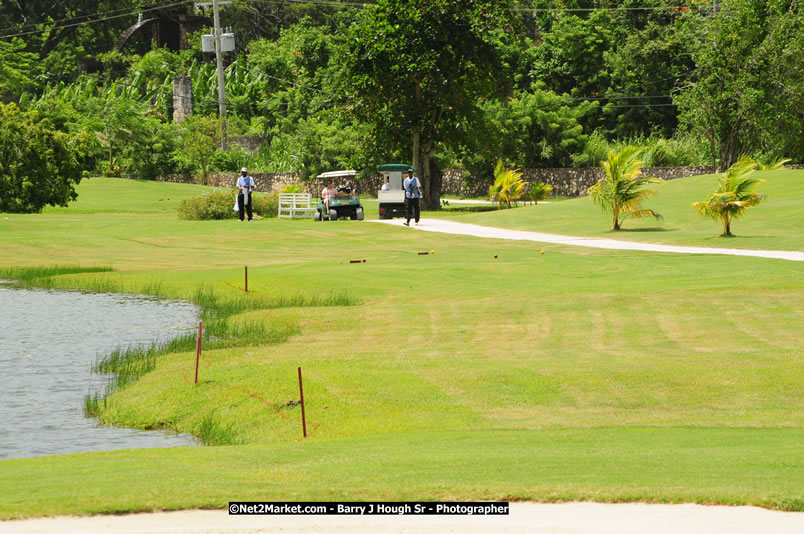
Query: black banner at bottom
{"type": "Point", "coordinates": [368, 508]}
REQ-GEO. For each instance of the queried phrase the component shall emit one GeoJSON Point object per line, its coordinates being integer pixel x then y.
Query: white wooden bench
{"type": "Point", "coordinates": [296, 206]}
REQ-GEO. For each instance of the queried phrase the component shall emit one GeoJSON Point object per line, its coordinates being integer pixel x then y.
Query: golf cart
{"type": "Point", "coordinates": [392, 198]}
{"type": "Point", "coordinates": [345, 204]}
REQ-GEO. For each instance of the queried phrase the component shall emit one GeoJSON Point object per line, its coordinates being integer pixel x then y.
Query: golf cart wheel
{"type": "Point", "coordinates": [317, 216]}
{"type": "Point", "coordinates": [333, 215]}
{"type": "Point", "coordinates": [359, 214]}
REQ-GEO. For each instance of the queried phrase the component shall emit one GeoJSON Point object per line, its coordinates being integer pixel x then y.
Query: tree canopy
{"type": "Point", "coordinates": [417, 70]}
{"type": "Point", "coordinates": [748, 91]}
{"type": "Point", "coordinates": [39, 166]}
{"type": "Point", "coordinates": [435, 83]}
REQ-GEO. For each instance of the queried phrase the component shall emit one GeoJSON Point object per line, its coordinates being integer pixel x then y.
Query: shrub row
{"type": "Point", "coordinates": [220, 205]}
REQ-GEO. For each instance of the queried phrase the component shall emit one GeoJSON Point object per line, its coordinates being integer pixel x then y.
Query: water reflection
{"type": "Point", "coordinates": [48, 342]}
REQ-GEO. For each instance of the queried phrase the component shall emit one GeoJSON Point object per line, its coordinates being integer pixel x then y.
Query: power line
{"type": "Point", "coordinates": [108, 13]}
{"type": "Point", "coordinates": [640, 106]}
{"type": "Point", "coordinates": [320, 3]}
{"type": "Point", "coordinates": [57, 25]}
{"type": "Point", "coordinates": [588, 9]}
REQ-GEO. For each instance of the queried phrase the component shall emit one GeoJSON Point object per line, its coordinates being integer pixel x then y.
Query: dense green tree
{"type": "Point", "coordinates": [253, 20]}
{"type": "Point", "coordinates": [39, 166]}
{"type": "Point", "coordinates": [18, 70]}
{"type": "Point", "coordinates": [418, 69]}
{"type": "Point", "coordinates": [748, 92]}
{"type": "Point", "coordinates": [199, 138]}
{"type": "Point", "coordinates": [570, 57]}
{"type": "Point", "coordinates": [537, 129]}
{"type": "Point", "coordinates": [68, 36]}
{"type": "Point", "coordinates": [117, 126]}
{"type": "Point", "coordinates": [646, 68]}
{"type": "Point", "coordinates": [297, 71]}
{"type": "Point", "coordinates": [59, 20]}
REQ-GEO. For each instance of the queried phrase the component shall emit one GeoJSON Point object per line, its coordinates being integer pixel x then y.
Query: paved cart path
{"type": "Point", "coordinates": [452, 227]}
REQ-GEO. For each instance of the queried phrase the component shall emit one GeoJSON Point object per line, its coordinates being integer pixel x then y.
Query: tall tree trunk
{"type": "Point", "coordinates": [428, 174]}
{"type": "Point", "coordinates": [416, 156]}
{"type": "Point", "coordinates": [433, 200]}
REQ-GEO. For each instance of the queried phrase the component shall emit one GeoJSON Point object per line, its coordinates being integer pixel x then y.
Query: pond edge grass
{"type": "Point", "coordinates": [126, 365]}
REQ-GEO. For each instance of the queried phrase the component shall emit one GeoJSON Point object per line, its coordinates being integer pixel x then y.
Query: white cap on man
{"type": "Point", "coordinates": [244, 169]}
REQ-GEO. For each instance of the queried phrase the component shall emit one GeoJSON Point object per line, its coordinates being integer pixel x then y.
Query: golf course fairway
{"type": "Point", "coordinates": [484, 371]}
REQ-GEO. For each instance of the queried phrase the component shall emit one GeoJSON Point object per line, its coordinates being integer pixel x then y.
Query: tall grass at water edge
{"type": "Point", "coordinates": [213, 432]}
{"type": "Point", "coordinates": [101, 281]}
{"type": "Point", "coordinates": [127, 365]}
{"type": "Point", "coordinates": [43, 277]}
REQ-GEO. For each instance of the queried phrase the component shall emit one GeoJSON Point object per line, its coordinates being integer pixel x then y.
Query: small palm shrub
{"type": "Point", "coordinates": [733, 196]}
{"type": "Point", "coordinates": [219, 204]}
{"type": "Point", "coordinates": [508, 186]}
{"type": "Point", "coordinates": [621, 192]}
{"type": "Point", "coordinates": [774, 164]}
{"type": "Point", "coordinates": [538, 191]}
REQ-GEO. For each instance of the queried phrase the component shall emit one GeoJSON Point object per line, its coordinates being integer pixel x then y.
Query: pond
{"type": "Point", "coordinates": [48, 343]}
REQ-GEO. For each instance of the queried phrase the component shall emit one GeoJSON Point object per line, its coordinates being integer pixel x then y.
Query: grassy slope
{"type": "Point", "coordinates": [579, 374]}
{"type": "Point", "coordinates": [774, 224]}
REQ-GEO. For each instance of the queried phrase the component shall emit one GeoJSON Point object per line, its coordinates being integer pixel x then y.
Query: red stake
{"type": "Point", "coordinates": [198, 349]}
{"type": "Point", "coordinates": [301, 394]}
{"type": "Point", "coordinates": [247, 279]}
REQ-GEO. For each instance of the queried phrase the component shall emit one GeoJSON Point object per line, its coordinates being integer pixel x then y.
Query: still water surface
{"type": "Point", "coordinates": [48, 343]}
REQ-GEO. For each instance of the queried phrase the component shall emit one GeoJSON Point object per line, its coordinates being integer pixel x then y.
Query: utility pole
{"type": "Point", "coordinates": [219, 43]}
{"type": "Point", "coordinates": [219, 61]}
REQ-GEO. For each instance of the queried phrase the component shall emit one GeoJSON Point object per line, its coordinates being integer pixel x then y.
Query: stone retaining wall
{"type": "Point", "coordinates": [565, 182]}
{"type": "Point", "coordinates": [274, 182]}
{"type": "Point", "coordinates": [268, 181]}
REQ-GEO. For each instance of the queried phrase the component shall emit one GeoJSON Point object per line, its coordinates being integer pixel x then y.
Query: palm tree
{"type": "Point", "coordinates": [733, 196]}
{"type": "Point", "coordinates": [620, 192]}
{"type": "Point", "coordinates": [772, 165]}
{"type": "Point", "coordinates": [538, 191]}
{"type": "Point", "coordinates": [507, 187]}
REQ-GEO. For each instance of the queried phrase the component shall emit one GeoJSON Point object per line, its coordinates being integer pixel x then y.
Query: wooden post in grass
{"type": "Point", "coordinates": [246, 279]}
{"type": "Point", "coordinates": [301, 394]}
{"type": "Point", "coordinates": [198, 349]}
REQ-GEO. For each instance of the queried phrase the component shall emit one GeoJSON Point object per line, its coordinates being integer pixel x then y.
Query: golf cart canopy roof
{"type": "Point", "coordinates": [336, 174]}
{"type": "Point", "coordinates": [396, 167]}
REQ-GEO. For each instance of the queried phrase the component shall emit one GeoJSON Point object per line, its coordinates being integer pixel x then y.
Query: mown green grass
{"type": "Point", "coordinates": [577, 374]}
{"type": "Point", "coordinates": [774, 224]}
{"type": "Point", "coordinates": [734, 466]}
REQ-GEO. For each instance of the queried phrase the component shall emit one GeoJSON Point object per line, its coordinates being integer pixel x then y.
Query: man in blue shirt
{"type": "Point", "coordinates": [413, 193]}
{"type": "Point", "coordinates": [245, 185]}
